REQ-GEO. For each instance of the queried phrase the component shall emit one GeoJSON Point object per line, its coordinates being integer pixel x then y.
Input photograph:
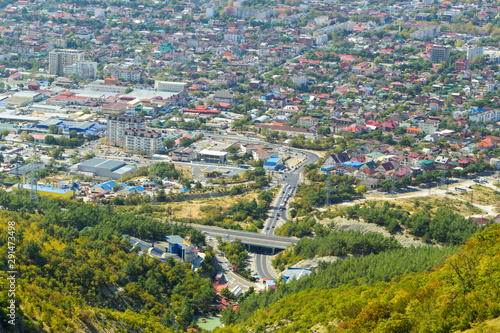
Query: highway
{"type": "Point", "coordinates": [289, 184]}
{"type": "Point", "coordinates": [247, 237]}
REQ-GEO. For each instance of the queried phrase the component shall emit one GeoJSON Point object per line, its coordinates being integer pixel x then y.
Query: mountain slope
{"type": "Point", "coordinates": [461, 293]}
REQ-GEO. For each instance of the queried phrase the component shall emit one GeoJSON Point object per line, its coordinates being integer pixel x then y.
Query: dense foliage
{"type": "Point", "coordinates": [165, 170]}
{"type": "Point", "coordinates": [79, 271]}
{"type": "Point", "coordinates": [237, 255]}
{"type": "Point", "coordinates": [354, 271]}
{"type": "Point", "coordinates": [445, 226]}
{"type": "Point", "coordinates": [338, 243]}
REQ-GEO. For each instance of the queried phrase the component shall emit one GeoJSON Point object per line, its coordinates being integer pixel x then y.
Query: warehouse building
{"type": "Point", "coordinates": [46, 190]}
{"type": "Point", "coordinates": [106, 168]}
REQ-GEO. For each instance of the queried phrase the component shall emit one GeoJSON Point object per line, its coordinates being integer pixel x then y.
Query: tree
{"type": "Point", "coordinates": [53, 129]}
{"type": "Point", "coordinates": [185, 316]}
{"type": "Point", "coordinates": [169, 143]}
{"type": "Point", "coordinates": [129, 90]}
{"type": "Point", "coordinates": [57, 153]}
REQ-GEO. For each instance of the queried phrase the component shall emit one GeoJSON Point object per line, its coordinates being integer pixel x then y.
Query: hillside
{"type": "Point", "coordinates": [77, 273]}
{"type": "Point", "coordinates": [457, 295]}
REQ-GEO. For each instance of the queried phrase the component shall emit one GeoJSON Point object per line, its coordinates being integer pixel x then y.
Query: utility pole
{"type": "Point", "coordinates": [442, 179]}
{"type": "Point", "coordinates": [33, 181]}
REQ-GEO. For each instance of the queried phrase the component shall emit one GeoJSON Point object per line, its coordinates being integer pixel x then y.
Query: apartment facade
{"type": "Point", "coordinates": [82, 70]}
{"type": "Point", "coordinates": [142, 141]}
{"type": "Point", "coordinates": [118, 124]}
{"type": "Point", "coordinates": [59, 59]}
{"type": "Point", "coordinates": [174, 87]}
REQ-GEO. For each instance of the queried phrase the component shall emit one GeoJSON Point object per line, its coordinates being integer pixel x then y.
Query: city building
{"type": "Point", "coordinates": [273, 163]}
{"type": "Point", "coordinates": [212, 156]}
{"type": "Point", "coordinates": [474, 50]}
{"type": "Point", "coordinates": [224, 96]}
{"type": "Point", "coordinates": [184, 154]}
{"type": "Point", "coordinates": [114, 108]}
{"type": "Point", "coordinates": [462, 64]}
{"type": "Point", "coordinates": [440, 53]}
{"type": "Point", "coordinates": [85, 70]}
{"type": "Point", "coordinates": [307, 121]}
{"type": "Point", "coordinates": [117, 124]}
{"type": "Point", "coordinates": [61, 58]}
{"type": "Point", "coordinates": [174, 87]}
{"type": "Point", "coordinates": [141, 141]}
{"type": "Point", "coordinates": [126, 74]}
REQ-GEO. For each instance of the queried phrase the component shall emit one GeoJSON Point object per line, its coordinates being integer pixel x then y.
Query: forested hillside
{"type": "Point", "coordinates": [457, 295]}
{"type": "Point", "coordinates": [76, 271]}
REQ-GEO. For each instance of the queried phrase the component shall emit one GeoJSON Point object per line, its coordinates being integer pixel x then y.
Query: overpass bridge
{"type": "Point", "coordinates": [248, 238]}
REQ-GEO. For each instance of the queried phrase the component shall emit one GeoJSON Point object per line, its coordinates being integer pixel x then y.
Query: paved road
{"type": "Point", "coordinates": [289, 185]}
{"type": "Point", "coordinates": [247, 237]}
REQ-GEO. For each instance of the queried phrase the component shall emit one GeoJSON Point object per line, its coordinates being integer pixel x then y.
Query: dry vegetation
{"type": "Point", "coordinates": [191, 209]}
{"type": "Point", "coordinates": [482, 195]}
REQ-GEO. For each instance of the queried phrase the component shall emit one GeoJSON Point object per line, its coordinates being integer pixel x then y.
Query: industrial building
{"type": "Point", "coordinates": [106, 168]}
{"type": "Point", "coordinates": [25, 169]}
{"type": "Point", "coordinates": [46, 190]}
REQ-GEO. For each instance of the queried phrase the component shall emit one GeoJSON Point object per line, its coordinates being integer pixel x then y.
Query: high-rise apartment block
{"type": "Point", "coordinates": [440, 53]}
{"type": "Point", "coordinates": [141, 141]}
{"type": "Point", "coordinates": [118, 124]}
{"type": "Point", "coordinates": [60, 58]}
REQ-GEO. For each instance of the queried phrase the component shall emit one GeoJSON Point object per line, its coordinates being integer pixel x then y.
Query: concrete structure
{"type": "Point", "coordinates": [86, 70]}
{"type": "Point", "coordinates": [274, 163]}
{"type": "Point", "coordinates": [126, 74]}
{"type": "Point", "coordinates": [142, 141]}
{"type": "Point", "coordinates": [117, 124]}
{"type": "Point", "coordinates": [485, 116]}
{"type": "Point", "coordinates": [440, 53]}
{"type": "Point", "coordinates": [106, 168]}
{"type": "Point", "coordinates": [212, 156]}
{"type": "Point", "coordinates": [474, 50]}
{"type": "Point", "coordinates": [295, 273]}
{"type": "Point", "coordinates": [174, 87]}
{"type": "Point", "coordinates": [181, 247]}
{"type": "Point", "coordinates": [184, 154]}
{"type": "Point", "coordinates": [224, 96]}
{"type": "Point", "coordinates": [25, 169]}
{"type": "Point", "coordinates": [307, 121]}
{"type": "Point", "coordinates": [114, 108]}
{"type": "Point", "coordinates": [61, 58]}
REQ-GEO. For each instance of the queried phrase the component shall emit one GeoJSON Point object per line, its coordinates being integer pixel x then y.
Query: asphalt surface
{"type": "Point", "coordinates": [289, 186]}
{"type": "Point", "coordinates": [247, 237]}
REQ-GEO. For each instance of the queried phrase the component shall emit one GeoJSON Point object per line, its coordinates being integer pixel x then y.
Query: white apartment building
{"type": "Point", "coordinates": [82, 70]}
{"type": "Point", "coordinates": [235, 37]}
{"type": "Point", "coordinates": [126, 74]}
{"type": "Point", "coordinates": [142, 141]}
{"type": "Point", "coordinates": [493, 115]}
{"type": "Point", "coordinates": [474, 50]}
{"type": "Point", "coordinates": [118, 124]}
{"type": "Point", "coordinates": [299, 80]}
{"type": "Point", "coordinates": [58, 59]}
{"type": "Point", "coordinates": [174, 87]}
